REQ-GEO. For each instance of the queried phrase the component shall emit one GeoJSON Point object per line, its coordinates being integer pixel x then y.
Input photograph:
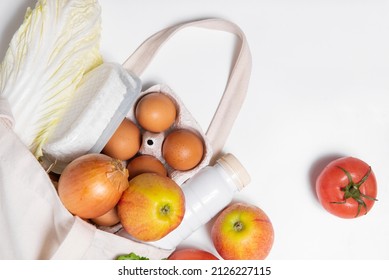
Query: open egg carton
{"type": "Point", "coordinates": [107, 95]}
{"type": "Point", "coordinates": [152, 143]}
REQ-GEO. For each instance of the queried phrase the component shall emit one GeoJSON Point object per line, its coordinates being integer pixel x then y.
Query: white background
{"type": "Point", "coordinates": [319, 90]}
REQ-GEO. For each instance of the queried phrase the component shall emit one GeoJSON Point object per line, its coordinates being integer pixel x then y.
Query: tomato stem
{"type": "Point", "coordinates": [352, 191]}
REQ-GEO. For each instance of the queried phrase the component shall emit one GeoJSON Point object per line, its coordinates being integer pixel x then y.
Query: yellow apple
{"type": "Point", "coordinates": [242, 232]}
{"type": "Point", "coordinates": [151, 207]}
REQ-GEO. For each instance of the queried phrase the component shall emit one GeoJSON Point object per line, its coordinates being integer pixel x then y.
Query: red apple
{"type": "Point", "coordinates": [242, 232]}
{"type": "Point", "coordinates": [151, 207]}
{"type": "Point", "coordinates": [191, 254]}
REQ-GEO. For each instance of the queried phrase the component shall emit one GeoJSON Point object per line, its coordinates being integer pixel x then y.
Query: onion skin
{"type": "Point", "coordinates": [92, 184]}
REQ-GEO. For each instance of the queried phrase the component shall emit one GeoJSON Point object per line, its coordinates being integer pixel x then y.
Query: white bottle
{"type": "Point", "coordinates": [206, 193]}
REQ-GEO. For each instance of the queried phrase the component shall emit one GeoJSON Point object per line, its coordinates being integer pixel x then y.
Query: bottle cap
{"type": "Point", "coordinates": [235, 169]}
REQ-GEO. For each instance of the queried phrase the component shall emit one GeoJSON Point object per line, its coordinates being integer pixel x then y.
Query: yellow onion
{"type": "Point", "coordinates": [109, 219]}
{"type": "Point", "coordinates": [92, 184]}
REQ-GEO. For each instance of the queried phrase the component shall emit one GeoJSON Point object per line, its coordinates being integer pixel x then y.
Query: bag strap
{"type": "Point", "coordinates": [237, 84]}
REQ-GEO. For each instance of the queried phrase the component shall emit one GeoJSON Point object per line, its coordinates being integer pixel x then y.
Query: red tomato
{"type": "Point", "coordinates": [191, 254]}
{"type": "Point", "coordinates": [347, 187]}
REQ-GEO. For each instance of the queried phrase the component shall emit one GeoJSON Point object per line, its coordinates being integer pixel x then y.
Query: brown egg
{"type": "Point", "coordinates": [155, 112]}
{"type": "Point", "coordinates": [125, 142]}
{"type": "Point", "coordinates": [110, 218]}
{"type": "Point", "coordinates": [183, 149]}
{"type": "Point", "coordinates": [145, 164]}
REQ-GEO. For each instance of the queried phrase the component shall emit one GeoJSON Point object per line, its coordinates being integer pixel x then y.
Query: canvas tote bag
{"type": "Point", "coordinates": [33, 222]}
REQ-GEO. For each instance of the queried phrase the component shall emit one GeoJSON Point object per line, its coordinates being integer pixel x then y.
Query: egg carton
{"type": "Point", "coordinates": [152, 142]}
{"type": "Point", "coordinates": [107, 95]}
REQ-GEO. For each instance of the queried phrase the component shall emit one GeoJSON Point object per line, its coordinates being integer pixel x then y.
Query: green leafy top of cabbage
{"type": "Point", "coordinates": [57, 43]}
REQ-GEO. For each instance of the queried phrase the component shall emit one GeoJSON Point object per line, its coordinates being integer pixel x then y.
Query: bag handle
{"type": "Point", "coordinates": [237, 84]}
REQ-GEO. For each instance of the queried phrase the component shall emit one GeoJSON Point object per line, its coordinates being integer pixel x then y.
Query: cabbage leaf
{"type": "Point", "coordinates": [57, 43]}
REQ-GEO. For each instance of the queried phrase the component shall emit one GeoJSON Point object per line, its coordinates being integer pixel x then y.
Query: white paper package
{"type": "Point", "coordinates": [101, 102]}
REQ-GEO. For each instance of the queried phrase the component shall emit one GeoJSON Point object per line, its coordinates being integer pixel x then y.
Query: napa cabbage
{"type": "Point", "coordinates": [57, 43]}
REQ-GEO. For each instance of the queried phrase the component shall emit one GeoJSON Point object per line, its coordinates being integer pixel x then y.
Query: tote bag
{"type": "Point", "coordinates": [33, 222]}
